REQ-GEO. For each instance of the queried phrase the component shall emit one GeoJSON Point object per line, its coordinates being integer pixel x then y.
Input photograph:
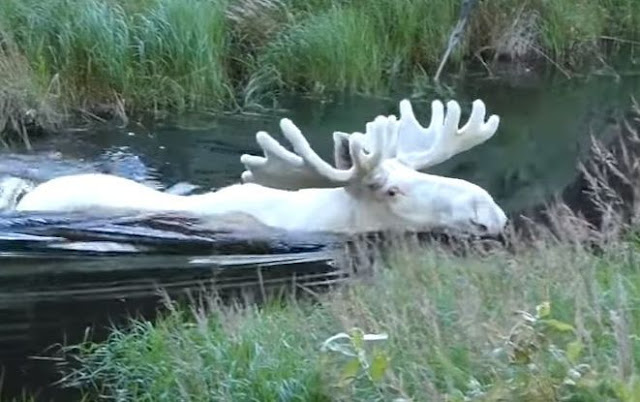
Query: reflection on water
{"type": "Point", "coordinates": [545, 128]}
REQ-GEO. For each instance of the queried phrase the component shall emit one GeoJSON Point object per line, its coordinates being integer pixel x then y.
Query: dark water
{"type": "Point", "coordinates": [545, 128]}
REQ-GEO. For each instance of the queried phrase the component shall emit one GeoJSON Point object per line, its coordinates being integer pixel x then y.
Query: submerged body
{"type": "Point", "coordinates": [317, 210]}
{"type": "Point", "coordinates": [101, 193]}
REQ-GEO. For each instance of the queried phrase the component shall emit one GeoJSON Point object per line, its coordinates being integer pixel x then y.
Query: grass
{"type": "Point", "coordinates": [169, 55]}
{"type": "Point", "coordinates": [23, 102]}
{"type": "Point", "coordinates": [127, 56]}
{"type": "Point", "coordinates": [554, 323]}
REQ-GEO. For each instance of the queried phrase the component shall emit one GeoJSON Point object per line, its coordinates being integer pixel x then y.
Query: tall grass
{"type": "Point", "coordinates": [154, 54]}
{"type": "Point", "coordinates": [144, 55]}
{"type": "Point", "coordinates": [563, 31]}
{"type": "Point", "coordinates": [554, 323]}
{"type": "Point", "coordinates": [24, 102]}
{"type": "Point", "coordinates": [329, 51]}
{"type": "Point", "coordinates": [627, 15]}
{"type": "Point", "coordinates": [360, 46]}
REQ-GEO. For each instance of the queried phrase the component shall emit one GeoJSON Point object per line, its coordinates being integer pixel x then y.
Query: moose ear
{"type": "Point", "coordinates": [341, 150]}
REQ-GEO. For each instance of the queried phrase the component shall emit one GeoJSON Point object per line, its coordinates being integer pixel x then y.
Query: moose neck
{"type": "Point", "coordinates": [322, 209]}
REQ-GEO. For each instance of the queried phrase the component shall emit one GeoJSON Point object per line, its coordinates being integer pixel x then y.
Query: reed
{"type": "Point", "coordinates": [154, 54]}
{"type": "Point", "coordinates": [25, 102]}
{"type": "Point", "coordinates": [162, 55]}
{"type": "Point", "coordinates": [553, 323]}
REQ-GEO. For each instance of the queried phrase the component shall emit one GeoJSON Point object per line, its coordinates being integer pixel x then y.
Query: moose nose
{"type": "Point", "coordinates": [500, 221]}
{"type": "Point", "coordinates": [493, 224]}
{"type": "Point", "coordinates": [490, 219]}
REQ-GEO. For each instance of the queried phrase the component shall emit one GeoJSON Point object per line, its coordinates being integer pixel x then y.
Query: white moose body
{"type": "Point", "coordinates": [375, 184]}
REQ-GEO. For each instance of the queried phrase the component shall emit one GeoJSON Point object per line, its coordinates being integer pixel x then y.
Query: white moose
{"type": "Point", "coordinates": [375, 184]}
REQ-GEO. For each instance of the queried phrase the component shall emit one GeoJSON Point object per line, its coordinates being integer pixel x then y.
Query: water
{"type": "Point", "coordinates": [545, 128]}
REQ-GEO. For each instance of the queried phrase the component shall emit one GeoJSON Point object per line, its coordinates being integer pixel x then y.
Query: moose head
{"type": "Point", "coordinates": [380, 171]}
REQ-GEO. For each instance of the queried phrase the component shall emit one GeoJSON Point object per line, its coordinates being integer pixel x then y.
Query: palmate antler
{"type": "Point", "coordinates": [384, 138]}
{"type": "Point", "coordinates": [283, 169]}
{"type": "Point", "coordinates": [421, 148]}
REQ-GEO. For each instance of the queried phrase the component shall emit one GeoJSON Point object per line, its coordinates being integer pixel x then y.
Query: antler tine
{"type": "Point", "coordinates": [283, 169]}
{"type": "Point", "coordinates": [276, 159]}
{"type": "Point", "coordinates": [316, 163]}
{"type": "Point", "coordinates": [369, 149]}
{"type": "Point", "coordinates": [421, 147]}
{"type": "Point", "coordinates": [477, 124]}
{"type": "Point", "coordinates": [382, 134]}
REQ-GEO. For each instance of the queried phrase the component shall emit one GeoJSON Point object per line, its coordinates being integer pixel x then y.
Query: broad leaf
{"type": "Point", "coordinates": [573, 350]}
{"type": "Point", "coordinates": [543, 310]}
{"type": "Point", "coordinates": [558, 325]}
{"type": "Point", "coordinates": [379, 366]}
{"type": "Point", "coordinates": [349, 372]}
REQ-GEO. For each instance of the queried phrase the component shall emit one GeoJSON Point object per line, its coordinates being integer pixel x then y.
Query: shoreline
{"type": "Point", "coordinates": [157, 56]}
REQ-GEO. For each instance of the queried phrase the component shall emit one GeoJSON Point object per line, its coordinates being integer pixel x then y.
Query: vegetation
{"type": "Point", "coordinates": [147, 55]}
{"type": "Point", "coordinates": [22, 101]}
{"type": "Point", "coordinates": [554, 323]}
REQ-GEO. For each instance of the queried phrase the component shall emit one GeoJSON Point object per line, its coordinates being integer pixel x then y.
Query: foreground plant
{"type": "Point", "coordinates": [553, 323]}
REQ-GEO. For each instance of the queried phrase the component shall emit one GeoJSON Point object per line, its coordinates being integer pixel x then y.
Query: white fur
{"type": "Point", "coordinates": [424, 202]}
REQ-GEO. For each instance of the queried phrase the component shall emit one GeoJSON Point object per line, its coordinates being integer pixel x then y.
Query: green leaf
{"type": "Point", "coordinates": [574, 349]}
{"type": "Point", "coordinates": [357, 338]}
{"type": "Point", "coordinates": [558, 325]}
{"type": "Point", "coordinates": [543, 309]}
{"type": "Point", "coordinates": [621, 390]}
{"type": "Point", "coordinates": [379, 366]}
{"type": "Point", "coordinates": [521, 356]}
{"type": "Point", "coordinates": [349, 372]}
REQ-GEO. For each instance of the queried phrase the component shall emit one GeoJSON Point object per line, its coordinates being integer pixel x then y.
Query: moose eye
{"type": "Point", "coordinates": [393, 191]}
{"type": "Point", "coordinates": [480, 226]}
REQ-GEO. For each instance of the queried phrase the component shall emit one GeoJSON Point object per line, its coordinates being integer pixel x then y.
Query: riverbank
{"type": "Point", "coordinates": [552, 323]}
{"type": "Point", "coordinates": [553, 316]}
{"type": "Point", "coordinates": [109, 60]}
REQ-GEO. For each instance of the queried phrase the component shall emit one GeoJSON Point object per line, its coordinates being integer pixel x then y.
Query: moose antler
{"type": "Point", "coordinates": [421, 148]}
{"type": "Point", "coordinates": [303, 168]}
{"type": "Point", "coordinates": [357, 154]}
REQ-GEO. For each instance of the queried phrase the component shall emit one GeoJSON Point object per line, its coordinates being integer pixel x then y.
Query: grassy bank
{"type": "Point", "coordinates": [144, 55]}
{"type": "Point", "coordinates": [553, 323]}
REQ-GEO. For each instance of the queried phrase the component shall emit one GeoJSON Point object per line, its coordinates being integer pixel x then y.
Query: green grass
{"type": "Point", "coordinates": [359, 46]}
{"type": "Point", "coordinates": [24, 102]}
{"type": "Point", "coordinates": [554, 322]}
{"type": "Point", "coordinates": [329, 51]}
{"type": "Point", "coordinates": [170, 55]}
{"type": "Point", "coordinates": [131, 56]}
